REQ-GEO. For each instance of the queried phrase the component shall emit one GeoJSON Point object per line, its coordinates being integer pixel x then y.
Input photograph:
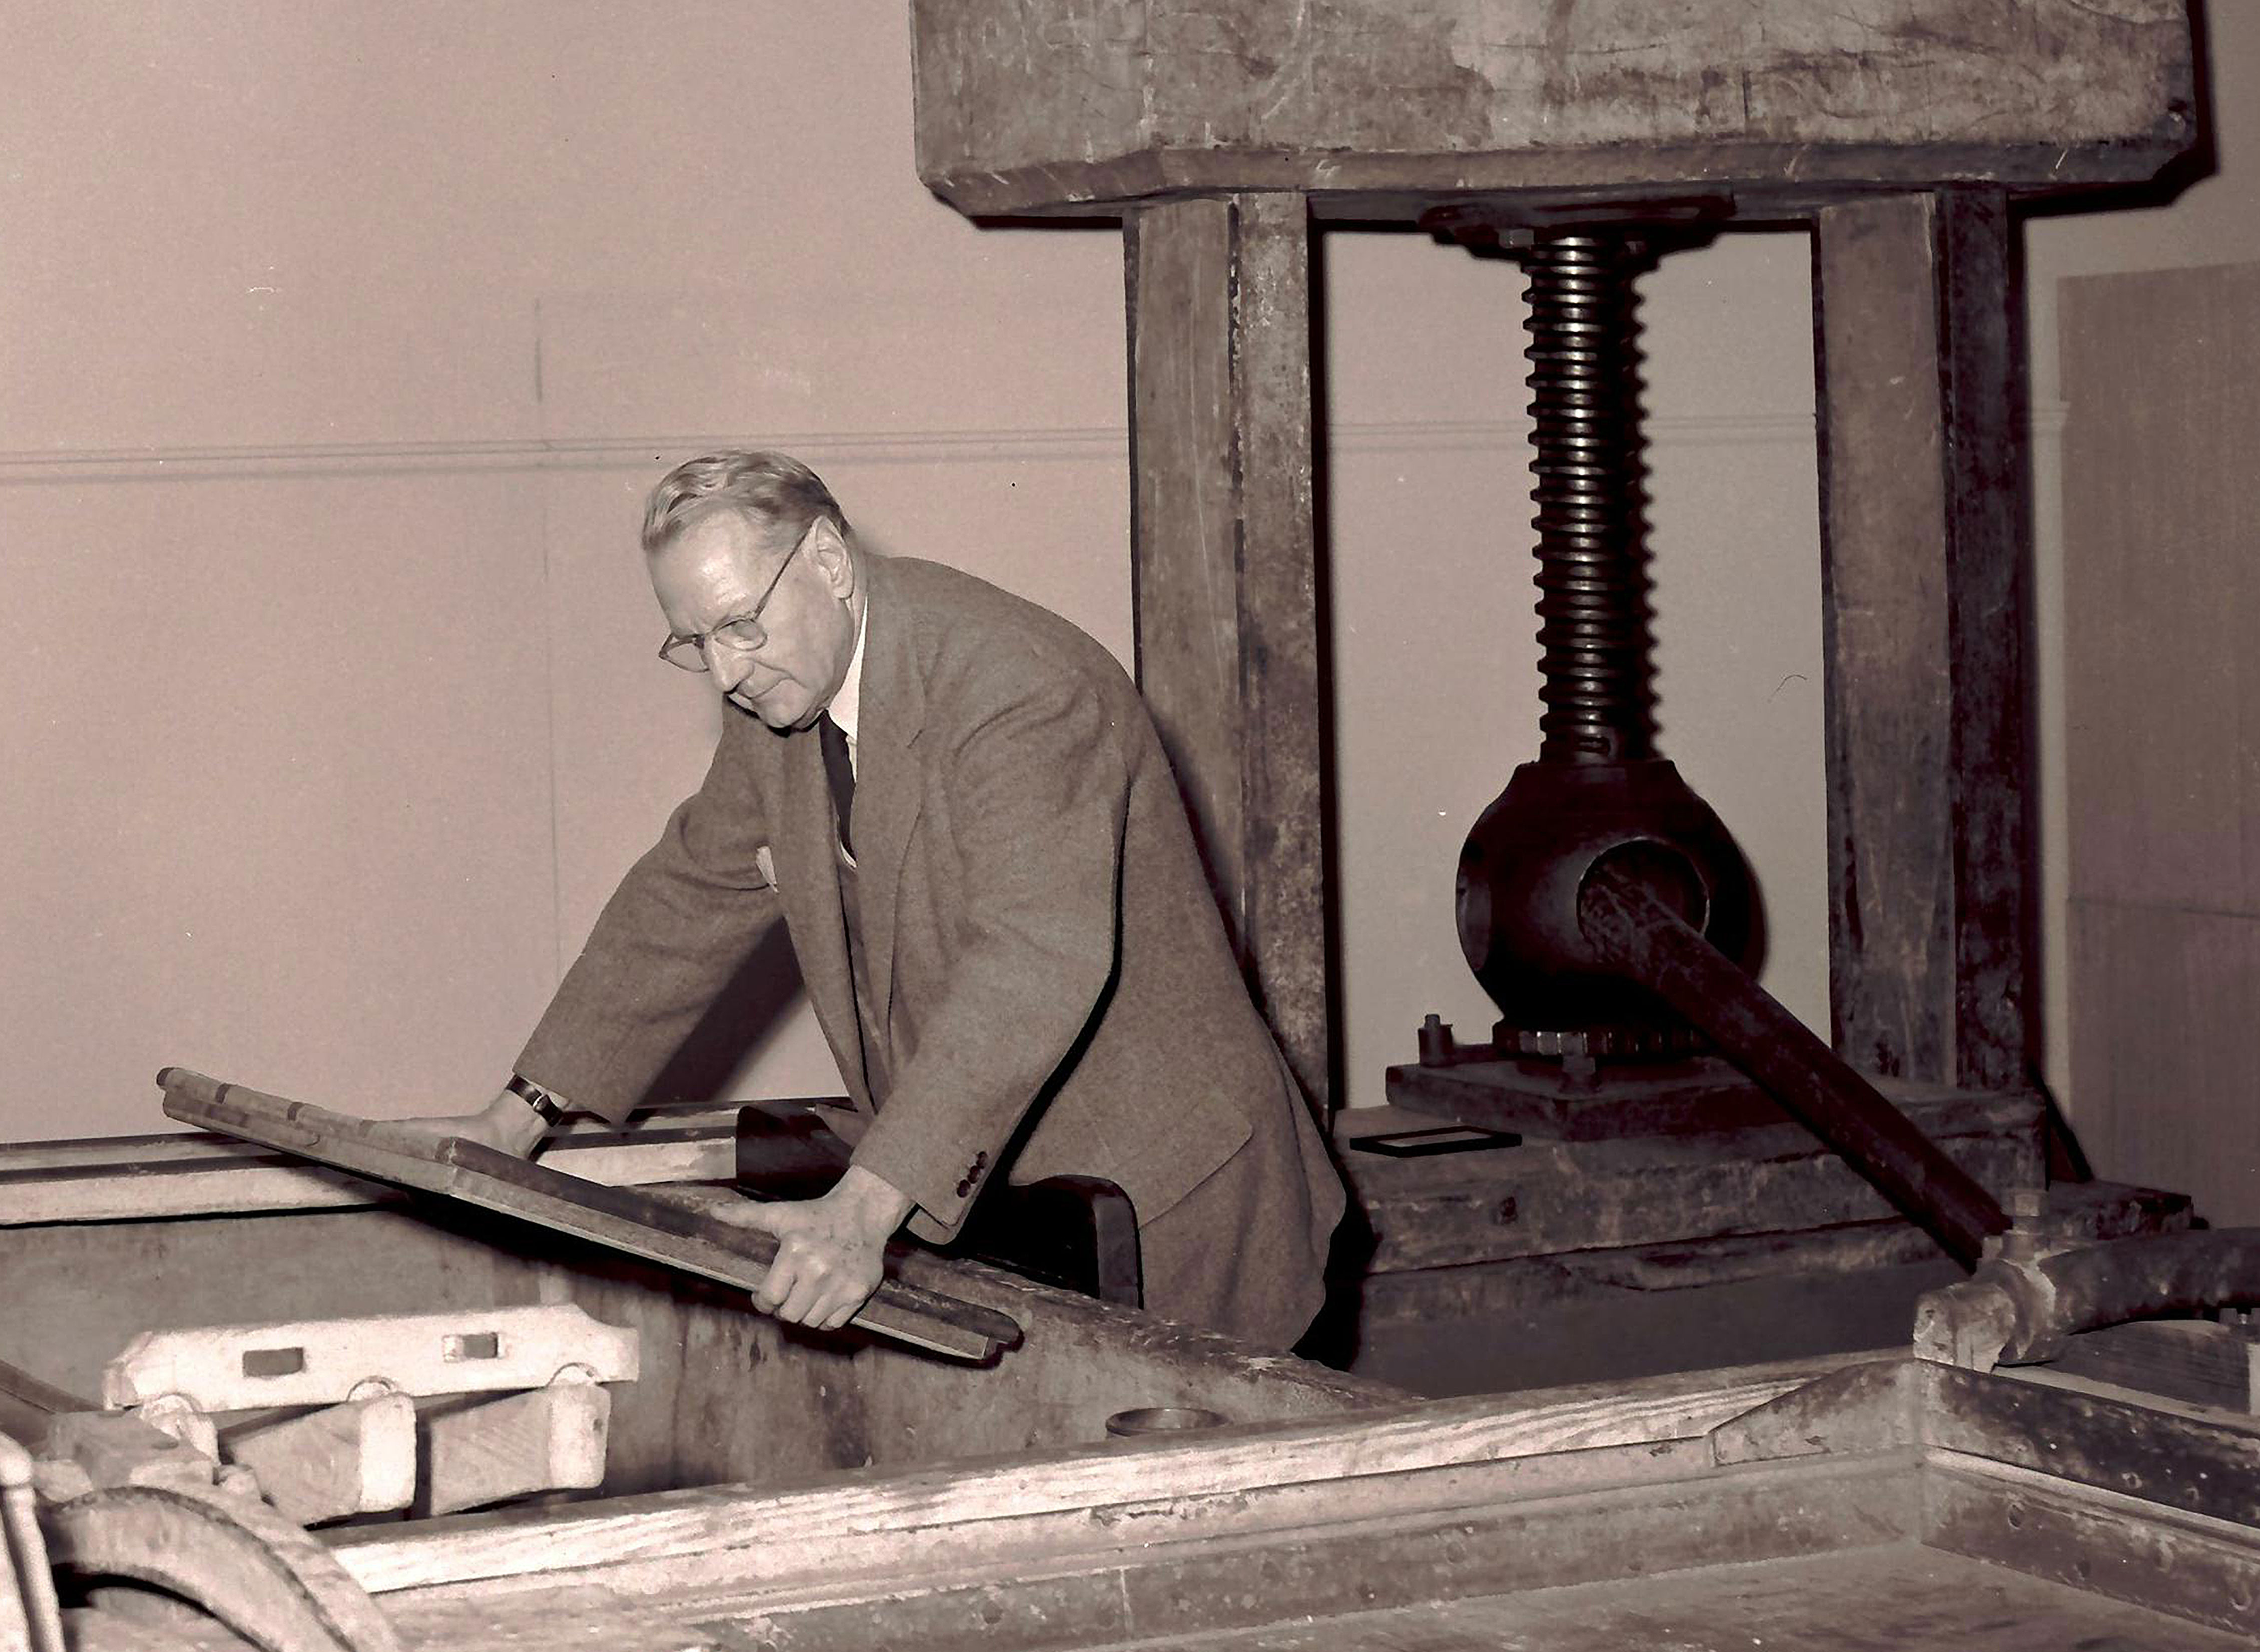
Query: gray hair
{"type": "Point", "coordinates": [774, 491]}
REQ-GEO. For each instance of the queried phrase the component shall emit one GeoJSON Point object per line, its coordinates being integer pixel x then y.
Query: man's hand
{"type": "Point", "coordinates": [506, 1123]}
{"type": "Point", "coordinates": [831, 1251]}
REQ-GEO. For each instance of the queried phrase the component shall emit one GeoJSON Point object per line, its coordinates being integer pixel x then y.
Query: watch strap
{"type": "Point", "coordinates": [536, 1096]}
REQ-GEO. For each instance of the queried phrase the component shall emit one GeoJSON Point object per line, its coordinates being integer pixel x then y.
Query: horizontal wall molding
{"type": "Point", "coordinates": [625, 453]}
{"type": "Point", "coordinates": [1094, 444]}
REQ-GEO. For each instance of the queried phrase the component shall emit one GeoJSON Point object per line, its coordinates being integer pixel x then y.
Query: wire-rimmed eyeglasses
{"type": "Point", "coordinates": [743, 633]}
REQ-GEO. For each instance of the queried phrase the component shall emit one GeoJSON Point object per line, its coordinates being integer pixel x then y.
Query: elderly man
{"type": "Point", "coordinates": [957, 803]}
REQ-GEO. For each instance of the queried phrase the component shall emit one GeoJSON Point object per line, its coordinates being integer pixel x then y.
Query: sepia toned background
{"type": "Point", "coordinates": [341, 344]}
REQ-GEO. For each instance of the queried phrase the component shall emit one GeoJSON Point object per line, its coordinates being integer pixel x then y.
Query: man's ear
{"type": "Point", "coordinates": [830, 554]}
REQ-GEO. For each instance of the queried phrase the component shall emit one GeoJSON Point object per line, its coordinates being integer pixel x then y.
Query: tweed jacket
{"type": "Point", "coordinates": [1051, 981]}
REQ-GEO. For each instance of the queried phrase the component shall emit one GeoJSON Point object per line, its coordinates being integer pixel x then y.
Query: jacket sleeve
{"type": "Point", "coordinates": [1039, 793]}
{"type": "Point", "coordinates": [678, 926]}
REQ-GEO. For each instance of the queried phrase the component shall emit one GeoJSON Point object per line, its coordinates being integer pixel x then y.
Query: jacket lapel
{"type": "Point", "coordinates": [888, 791]}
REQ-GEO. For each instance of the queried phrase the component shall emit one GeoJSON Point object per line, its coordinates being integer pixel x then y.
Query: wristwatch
{"type": "Point", "coordinates": [536, 1096]}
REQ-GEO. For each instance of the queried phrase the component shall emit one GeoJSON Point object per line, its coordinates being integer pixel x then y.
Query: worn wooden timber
{"type": "Point", "coordinates": [2123, 1548]}
{"type": "Point", "coordinates": [1453, 1302]}
{"type": "Point", "coordinates": [2200, 1460]}
{"type": "Point", "coordinates": [1556, 1100]}
{"type": "Point", "coordinates": [1635, 1279]}
{"type": "Point", "coordinates": [2198, 1361]}
{"type": "Point", "coordinates": [1631, 1494]}
{"type": "Point", "coordinates": [1401, 1459]}
{"type": "Point", "coordinates": [550, 1440]}
{"type": "Point", "coordinates": [117, 1178]}
{"type": "Point", "coordinates": [1225, 578]}
{"type": "Point", "coordinates": [1544, 1196]}
{"type": "Point", "coordinates": [1926, 537]}
{"type": "Point", "coordinates": [1892, 1598]}
{"type": "Point", "coordinates": [28, 1403]}
{"type": "Point", "coordinates": [356, 1457]}
{"type": "Point", "coordinates": [1378, 110]}
{"type": "Point", "coordinates": [658, 1230]}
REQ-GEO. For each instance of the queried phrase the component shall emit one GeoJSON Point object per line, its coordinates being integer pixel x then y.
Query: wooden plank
{"type": "Point", "coordinates": [1225, 576]}
{"type": "Point", "coordinates": [31, 1399]}
{"type": "Point", "coordinates": [2184, 1565]}
{"type": "Point", "coordinates": [1547, 1099]}
{"type": "Point", "coordinates": [672, 1527]}
{"type": "Point", "coordinates": [1924, 572]}
{"type": "Point", "coordinates": [1884, 1597]}
{"type": "Point", "coordinates": [1042, 106]}
{"type": "Point", "coordinates": [586, 1140]}
{"type": "Point", "coordinates": [1283, 1552]}
{"type": "Point", "coordinates": [1545, 1197]}
{"type": "Point", "coordinates": [117, 1178]}
{"type": "Point", "coordinates": [1341, 1565]}
{"type": "Point", "coordinates": [2203, 1465]}
{"type": "Point", "coordinates": [587, 1619]}
{"type": "Point", "coordinates": [676, 1234]}
{"type": "Point", "coordinates": [2192, 1360]}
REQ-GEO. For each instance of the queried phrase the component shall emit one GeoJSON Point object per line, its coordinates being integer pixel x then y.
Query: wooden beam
{"type": "Point", "coordinates": [123, 1178]}
{"type": "Point", "coordinates": [1226, 576]}
{"type": "Point", "coordinates": [1926, 536]}
{"type": "Point", "coordinates": [677, 1232]}
{"type": "Point", "coordinates": [2125, 1547]}
{"type": "Point", "coordinates": [358, 1457]}
{"type": "Point", "coordinates": [551, 1438]}
{"type": "Point", "coordinates": [1035, 106]}
{"type": "Point", "coordinates": [1229, 1476]}
{"type": "Point", "coordinates": [2199, 1459]}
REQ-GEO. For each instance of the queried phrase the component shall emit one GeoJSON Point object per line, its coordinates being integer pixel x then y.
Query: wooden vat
{"type": "Point", "coordinates": [770, 1490]}
{"type": "Point", "coordinates": [109, 1239]}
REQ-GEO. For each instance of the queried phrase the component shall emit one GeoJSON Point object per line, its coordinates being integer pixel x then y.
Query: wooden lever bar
{"type": "Point", "coordinates": [622, 1219]}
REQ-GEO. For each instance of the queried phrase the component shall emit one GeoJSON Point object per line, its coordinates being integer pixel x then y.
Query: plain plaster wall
{"type": "Point", "coordinates": [341, 343]}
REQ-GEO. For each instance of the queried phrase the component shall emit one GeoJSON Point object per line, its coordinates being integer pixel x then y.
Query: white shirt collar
{"type": "Point", "coordinates": [848, 702]}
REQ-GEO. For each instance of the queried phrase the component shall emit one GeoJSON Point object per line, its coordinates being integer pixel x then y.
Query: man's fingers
{"type": "Point", "coordinates": [801, 1306]}
{"type": "Point", "coordinates": [777, 1286]}
{"type": "Point", "coordinates": [814, 1280]}
{"type": "Point", "coordinates": [801, 1285]}
{"type": "Point", "coordinates": [752, 1213]}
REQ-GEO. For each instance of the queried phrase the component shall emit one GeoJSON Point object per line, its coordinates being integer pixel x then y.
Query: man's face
{"type": "Point", "coordinates": [715, 571]}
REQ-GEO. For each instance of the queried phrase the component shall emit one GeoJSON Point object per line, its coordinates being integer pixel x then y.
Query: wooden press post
{"type": "Point", "coordinates": [1926, 538]}
{"type": "Point", "coordinates": [1224, 572]}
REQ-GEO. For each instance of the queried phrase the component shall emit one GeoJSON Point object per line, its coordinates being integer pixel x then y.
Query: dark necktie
{"type": "Point", "coordinates": [839, 772]}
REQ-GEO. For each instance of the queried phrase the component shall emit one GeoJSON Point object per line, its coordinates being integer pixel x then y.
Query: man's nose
{"type": "Point", "coordinates": [729, 665]}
